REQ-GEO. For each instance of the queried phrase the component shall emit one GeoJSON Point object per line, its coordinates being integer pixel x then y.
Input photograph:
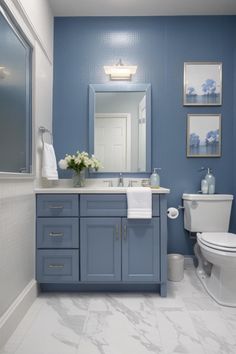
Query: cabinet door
{"type": "Point", "coordinates": [141, 250]}
{"type": "Point", "coordinates": [100, 249]}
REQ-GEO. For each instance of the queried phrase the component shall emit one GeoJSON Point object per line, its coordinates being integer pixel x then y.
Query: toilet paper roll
{"type": "Point", "coordinates": [172, 213]}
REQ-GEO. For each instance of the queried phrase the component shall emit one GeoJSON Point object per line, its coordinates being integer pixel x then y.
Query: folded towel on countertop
{"type": "Point", "coordinates": [49, 167]}
{"type": "Point", "coordinates": [139, 203]}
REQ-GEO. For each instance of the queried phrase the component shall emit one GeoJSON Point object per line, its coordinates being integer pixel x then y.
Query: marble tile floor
{"type": "Point", "coordinates": [188, 321]}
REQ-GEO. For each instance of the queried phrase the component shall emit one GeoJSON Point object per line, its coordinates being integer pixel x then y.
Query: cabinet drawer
{"type": "Point", "coordinates": [103, 205]}
{"type": "Point", "coordinates": [57, 266]}
{"type": "Point", "coordinates": [57, 205]}
{"type": "Point", "coordinates": [58, 233]}
{"type": "Point", "coordinates": [110, 205]}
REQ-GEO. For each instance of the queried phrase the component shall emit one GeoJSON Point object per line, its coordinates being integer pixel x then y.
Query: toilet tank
{"type": "Point", "coordinates": [207, 212]}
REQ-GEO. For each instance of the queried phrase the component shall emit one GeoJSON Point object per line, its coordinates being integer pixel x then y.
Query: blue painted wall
{"type": "Point", "coordinates": [159, 46]}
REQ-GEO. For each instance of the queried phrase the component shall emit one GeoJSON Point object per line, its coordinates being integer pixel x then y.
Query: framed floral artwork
{"type": "Point", "coordinates": [202, 84]}
{"type": "Point", "coordinates": [204, 135]}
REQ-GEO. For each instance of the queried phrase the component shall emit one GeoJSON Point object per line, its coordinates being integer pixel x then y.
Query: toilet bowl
{"type": "Point", "coordinates": [208, 216]}
{"type": "Point", "coordinates": [216, 254]}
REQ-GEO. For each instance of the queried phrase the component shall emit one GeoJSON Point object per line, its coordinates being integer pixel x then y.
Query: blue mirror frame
{"type": "Point", "coordinates": [93, 89]}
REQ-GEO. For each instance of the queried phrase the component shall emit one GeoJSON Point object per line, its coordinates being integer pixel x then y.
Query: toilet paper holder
{"type": "Point", "coordinates": [173, 213]}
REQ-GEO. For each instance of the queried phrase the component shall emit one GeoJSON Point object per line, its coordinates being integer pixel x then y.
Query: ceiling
{"type": "Point", "coordinates": [142, 7]}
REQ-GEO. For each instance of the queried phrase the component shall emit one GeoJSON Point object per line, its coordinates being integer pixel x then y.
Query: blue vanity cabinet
{"type": "Point", "coordinates": [85, 241]}
{"type": "Point", "coordinates": [100, 249]}
{"type": "Point", "coordinates": [141, 250]}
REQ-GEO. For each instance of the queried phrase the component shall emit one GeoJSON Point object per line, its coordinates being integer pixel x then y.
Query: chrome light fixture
{"type": "Point", "coordinates": [120, 71]}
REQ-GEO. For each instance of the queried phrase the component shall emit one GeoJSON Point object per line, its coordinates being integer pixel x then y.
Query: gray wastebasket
{"type": "Point", "coordinates": [175, 267]}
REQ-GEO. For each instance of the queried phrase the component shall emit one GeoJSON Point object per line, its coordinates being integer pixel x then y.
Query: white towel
{"type": "Point", "coordinates": [49, 168]}
{"type": "Point", "coordinates": [139, 203]}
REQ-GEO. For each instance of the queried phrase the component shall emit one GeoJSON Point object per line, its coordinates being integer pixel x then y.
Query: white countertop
{"type": "Point", "coordinates": [93, 185]}
{"type": "Point", "coordinates": [94, 190]}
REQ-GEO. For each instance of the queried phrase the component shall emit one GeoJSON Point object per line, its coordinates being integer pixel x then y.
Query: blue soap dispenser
{"type": "Point", "coordinates": [155, 178]}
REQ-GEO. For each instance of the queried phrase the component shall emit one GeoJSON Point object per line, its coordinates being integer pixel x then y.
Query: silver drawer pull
{"type": "Point", "coordinates": [56, 206]}
{"type": "Point", "coordinates": [125, 232]}
{"type": "Point", "coordinates": [117, 232]}
{"type": "Point", "coordinates": [56, 234]}
{"type": "Point", "coordinates": [56, 266]}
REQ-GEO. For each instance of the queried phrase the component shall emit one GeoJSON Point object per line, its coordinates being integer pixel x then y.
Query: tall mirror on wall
{"type": "Point", "coordinates": [15, 99]}
{"type": "Point", "coordinates": [120, 126]}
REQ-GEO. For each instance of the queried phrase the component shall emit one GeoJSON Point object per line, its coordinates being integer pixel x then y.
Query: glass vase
{"type": "Point", "coordinates": [78, 179]}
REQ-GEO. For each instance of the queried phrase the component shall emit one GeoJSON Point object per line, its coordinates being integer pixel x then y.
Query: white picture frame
{"type": "Point", "coordinates": [203, 135]}
{"type": "Point", "coordinates": [202, 84]}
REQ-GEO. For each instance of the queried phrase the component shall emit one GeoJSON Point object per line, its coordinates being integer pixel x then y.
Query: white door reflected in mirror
{"type": "Point", "coordinates": [112, 141]}
{"type": "Point", "coordinates": [120, 131]}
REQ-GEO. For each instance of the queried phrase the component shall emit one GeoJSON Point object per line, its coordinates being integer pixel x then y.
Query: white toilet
{"type": "Point", "coordinates": [208, 215]}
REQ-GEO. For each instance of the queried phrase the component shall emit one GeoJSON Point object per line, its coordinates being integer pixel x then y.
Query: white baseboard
{"type": "Point", "coordinates": [11, 318]}
{"type": "Point", "coordinates": [188, 261]}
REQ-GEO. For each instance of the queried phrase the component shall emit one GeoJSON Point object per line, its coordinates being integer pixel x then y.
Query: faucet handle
{"type": "Point", "coordinates": [109, 181]}
{"type": "Point", "coordinates": [131, 183]}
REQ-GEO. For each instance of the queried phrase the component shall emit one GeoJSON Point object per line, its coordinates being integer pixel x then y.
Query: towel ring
{"type": "Point", "coordinates": [43, 131]}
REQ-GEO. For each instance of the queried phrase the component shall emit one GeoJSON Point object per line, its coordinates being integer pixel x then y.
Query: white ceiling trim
{"type": "Point", "coordinates": [142, 7]}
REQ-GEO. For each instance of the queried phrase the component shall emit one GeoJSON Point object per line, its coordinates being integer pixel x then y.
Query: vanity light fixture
{"type": "Point", "coordinates": [120, 71]}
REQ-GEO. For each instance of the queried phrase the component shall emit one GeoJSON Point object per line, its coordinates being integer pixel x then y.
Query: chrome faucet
{"type": "Point", "coordinates": [121, 181]}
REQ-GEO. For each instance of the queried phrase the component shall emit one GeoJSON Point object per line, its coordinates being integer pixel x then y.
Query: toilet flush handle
{"type": "Point", "coordinates": [194, 204]}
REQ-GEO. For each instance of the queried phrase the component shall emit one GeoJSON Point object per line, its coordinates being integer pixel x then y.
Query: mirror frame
{"type": "Point", "coordinates": [25, 38]}
{"type": "Point", "coordinates": [93, 89]}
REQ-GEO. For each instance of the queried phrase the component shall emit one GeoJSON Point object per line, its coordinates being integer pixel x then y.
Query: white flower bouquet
{"type": "Point", "coordinates": [79, 162]}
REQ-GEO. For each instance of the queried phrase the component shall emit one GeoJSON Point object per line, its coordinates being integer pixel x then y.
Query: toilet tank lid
{"type": "Point", "coordinates": [187, 196]}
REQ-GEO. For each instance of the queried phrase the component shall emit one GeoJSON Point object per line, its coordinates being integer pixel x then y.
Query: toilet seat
{"type": "Point", "coordinates": [223, 241]}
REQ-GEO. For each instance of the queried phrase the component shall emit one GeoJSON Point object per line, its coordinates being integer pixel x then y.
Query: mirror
{"type": "Point", "coordinates": [15, 99]}
{"type": "Point", "coordinates": [120, 127]}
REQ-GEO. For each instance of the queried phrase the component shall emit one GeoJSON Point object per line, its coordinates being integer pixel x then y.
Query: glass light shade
{"type": "Point", "coordinates": [120, 72]}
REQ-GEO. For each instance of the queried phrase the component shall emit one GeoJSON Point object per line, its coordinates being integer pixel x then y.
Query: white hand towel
{"type": "Point", "coordinates": [49, 169]}
{"type": "Point", "coordinates": [139, 203]}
